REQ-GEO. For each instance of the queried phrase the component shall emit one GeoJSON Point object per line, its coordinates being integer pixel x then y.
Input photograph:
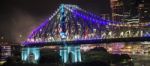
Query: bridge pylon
{"type": "Point", "coordinates": [30, 54]}
{"type": "Point", "coordinates": [69, 54]}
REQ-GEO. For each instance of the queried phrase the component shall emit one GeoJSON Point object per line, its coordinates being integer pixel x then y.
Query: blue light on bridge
{"type": "Point", "coordinates": [70, 54]}
{"type": "Point", "coordinates": [30, 55]}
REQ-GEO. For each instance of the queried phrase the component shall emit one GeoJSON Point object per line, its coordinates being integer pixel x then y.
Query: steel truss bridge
{"type": "Point", "coordinates": [70, 26]}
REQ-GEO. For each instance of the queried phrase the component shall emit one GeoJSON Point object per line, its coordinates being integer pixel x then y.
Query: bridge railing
{"type": "Point", "coordinates": [91, 36]}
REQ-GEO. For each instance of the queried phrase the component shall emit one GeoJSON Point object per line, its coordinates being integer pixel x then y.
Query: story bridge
{"type": "Point", "coordinates": [70, 26]}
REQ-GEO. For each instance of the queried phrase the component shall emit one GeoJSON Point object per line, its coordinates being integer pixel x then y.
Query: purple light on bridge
{"type": "Point", "coordinates": [90, 18]}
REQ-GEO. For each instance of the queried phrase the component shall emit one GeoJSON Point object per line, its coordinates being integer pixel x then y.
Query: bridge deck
{"type": "Point", "coordinates": [94, 41]}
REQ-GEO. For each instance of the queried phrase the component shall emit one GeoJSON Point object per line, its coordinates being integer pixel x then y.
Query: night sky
{"type": "Point", "coordinates": [19, 17]}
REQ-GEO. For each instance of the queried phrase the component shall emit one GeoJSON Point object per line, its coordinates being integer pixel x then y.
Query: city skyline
{"type": "Point", "coordinates": [75, 32]}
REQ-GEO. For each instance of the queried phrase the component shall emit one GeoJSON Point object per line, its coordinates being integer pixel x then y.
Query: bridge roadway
{"type": "Point", "coordinates": [93, 41]}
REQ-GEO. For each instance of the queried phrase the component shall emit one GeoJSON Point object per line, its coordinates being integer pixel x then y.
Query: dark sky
{"type": "Point", "coordinates": [19, 17]}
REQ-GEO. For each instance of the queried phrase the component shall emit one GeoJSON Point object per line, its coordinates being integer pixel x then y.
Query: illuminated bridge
{"type": "Point", "coordinates": [70, 26]}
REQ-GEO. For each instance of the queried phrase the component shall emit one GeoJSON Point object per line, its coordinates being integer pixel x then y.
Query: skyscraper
{"type": "Point", "coordinates": [144, 9]}
{"type": "Point", "coordinates": [117, 10]}
{"type": "Point", "coordinates": [133, 11]}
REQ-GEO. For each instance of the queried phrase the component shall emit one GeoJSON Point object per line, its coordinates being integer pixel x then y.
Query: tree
{"type": "Point", "coordinates": [97, 54]}
{"type": "Point", "coordinates": [99, 49]}
{"type": "Point", "coordinates": [115, 58]}
{"type": "Point", "coordinates": [50, 57]}
{"type": "Point", "coordinates": [125, 56]}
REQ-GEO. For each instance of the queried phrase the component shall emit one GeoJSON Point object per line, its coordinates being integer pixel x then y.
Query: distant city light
{"type": "Point", "coordinates": [110, 49]}
{"type": "Point", "coordinates": [2, 37]}
{"type": "Point", "coordinates": [20, 36]}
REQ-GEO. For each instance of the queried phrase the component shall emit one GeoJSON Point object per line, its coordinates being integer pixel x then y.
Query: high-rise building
{"type": "Point", "coordinates": [144, 11]}
{"type": "Point", "coordinates": [117, 10]}
{"type": "Point", "coordinates": [139, 9]}
{"type": "Point", "coordinates": [133, 11]}
{"type": "Point", "coordinates": [5, 51]}
{"type": "Point", "coordinates": [8, 49]}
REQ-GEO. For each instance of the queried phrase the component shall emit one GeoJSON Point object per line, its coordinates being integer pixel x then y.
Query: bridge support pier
{"type": "Point", "coordinates": [70, 54]}
{"type": "Point", "coordinates": [30, 54]}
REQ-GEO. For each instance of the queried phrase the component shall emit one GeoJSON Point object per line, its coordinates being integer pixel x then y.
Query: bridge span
{"type": "Point", "coordinates": [70, 26]}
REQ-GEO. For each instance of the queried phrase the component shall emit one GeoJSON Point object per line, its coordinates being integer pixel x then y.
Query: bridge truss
{"type": "Point", "coordinates": [71, 23]}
